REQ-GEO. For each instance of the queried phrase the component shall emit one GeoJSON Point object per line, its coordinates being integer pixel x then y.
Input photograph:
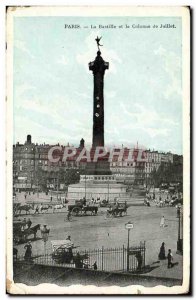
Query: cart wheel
{"type": "Point", "coordinates": [109, 216]}
{"type": "Point", "coordinates": [123, 213]}
{"type": "Point", "coordinates": [76, 211]}
{"type": "Point", "coordinates": [70, 218]}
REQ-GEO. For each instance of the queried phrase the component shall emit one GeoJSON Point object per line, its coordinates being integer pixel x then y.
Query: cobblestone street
{"type": "Point", "coordinates": [92, 232]}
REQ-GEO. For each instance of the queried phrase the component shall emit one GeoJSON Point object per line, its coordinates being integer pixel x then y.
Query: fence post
{"type": "Point", "coordinates": [102, 259]}
{"type": "Point", "coordinates": [128, 251]}
{"type": "Point", "coordinates": [144, 253]}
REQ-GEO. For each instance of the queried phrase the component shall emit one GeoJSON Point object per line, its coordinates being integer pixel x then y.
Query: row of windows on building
{"type": "Point", "coordinates": [99, 177]}
{"type": "Point", "coordinates": [42, 162]}
{"type": "Point", "coordinates": [29, 155]}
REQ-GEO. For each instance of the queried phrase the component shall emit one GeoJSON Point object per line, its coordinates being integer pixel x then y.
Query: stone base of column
{"type": "Point", "coordinates": [98, 168]}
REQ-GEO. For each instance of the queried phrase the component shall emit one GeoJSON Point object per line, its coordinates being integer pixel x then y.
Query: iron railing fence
{"type": "Point", "coordinates": [106, 259]}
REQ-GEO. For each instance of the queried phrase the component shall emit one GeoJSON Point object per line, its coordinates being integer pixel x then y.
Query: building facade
{"type": "Point", "coordinates": [31, 164]}
{"type": "Point", "coordinates": [154, 160]}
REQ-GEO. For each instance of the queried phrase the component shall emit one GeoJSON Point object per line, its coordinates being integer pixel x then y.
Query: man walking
{"type": "Point", "coordinates": [29, 223]}
{"type": "Point", "coordinates": [169, 259]}
{"type": "Point", "coordinates": [68, 238]}
{"type": "Point", "coordinates": [162, 222]}
{"type": "Point", "coordinates": [36, 210]}
{"type": "Point", "coordinates": [94, 265]}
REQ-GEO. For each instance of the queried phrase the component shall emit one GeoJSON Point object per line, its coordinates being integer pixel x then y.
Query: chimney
{"type": "Point", "coordinates": [28, 139]}
{"type": "Point", "coordinates": [81, 143]}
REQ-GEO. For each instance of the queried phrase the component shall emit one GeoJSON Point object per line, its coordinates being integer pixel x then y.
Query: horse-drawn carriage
{"type": "Point", "coordinates": [81, 208]}
{"type": "Point", "coordinates": [63, 254]}
{"type": "Point", "coordinates": [20, 233]}
{"type": "Point", "coordinates": [18, 208]}
{"type": "Point", "coordinates": [104, 203]}
{"type": "Point", "coordinates": [117, 210]}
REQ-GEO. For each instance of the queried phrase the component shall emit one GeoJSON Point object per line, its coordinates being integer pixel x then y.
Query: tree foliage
{"type": "Point", "coordinates": [170, 173]}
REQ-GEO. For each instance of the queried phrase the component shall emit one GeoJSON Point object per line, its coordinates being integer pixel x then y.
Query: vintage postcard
{"type": "Point", "coordinates": [98, 150]}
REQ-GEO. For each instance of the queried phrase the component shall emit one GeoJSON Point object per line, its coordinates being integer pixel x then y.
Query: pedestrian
{"type": "Point", "coordinates": [29, 223]}
{"type": "Point", "coordinates": [68, 238]}
{"type": "Point", "coordinates": [162, 251]}
{"type": "Point", "coordinates": [36, 210]}
{"type": "Point", "coordinates": [24, 223]}
{"type": "Point", "coordinates": [84, 201]}
{"type": "Point", "coordinates": [69, 215]}
{"type": "Point", "coordinates": [162, 222]}
{"type": "Point", "coordinates": [169, 259]}
{"type": "Point", "coordinates": [50, 198]}
{"type": "Point", "coordinates": [139, 260]}
{"type": "Point", "coordinates": [95, 265]}
{"type": "Point", "coordinates": [78, 261]}
{"type": "Point", "coordinates": [28, 251]}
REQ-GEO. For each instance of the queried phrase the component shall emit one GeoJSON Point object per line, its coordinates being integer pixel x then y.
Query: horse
{"type": "Point", "coordinates": [25, 207]}
{"type": "Point", "coordinates": [121, 210]}
{"type": "Point", "coordinates": [33, 230]}
{"type": "Point", "coordinates": [92, 209]}
{"type": "Point", "coordinates": [19, 234]}
{"type": "Point", "coordinates": [15, 253]}
{"type": "Point", "coordinates": [15, 208]}
{"type": "Point", "coordinates": [57, 206]}
{"type": "Point", "coordinates": [45, 207]}
{"type": "Point", "coordinates": [117, 211]}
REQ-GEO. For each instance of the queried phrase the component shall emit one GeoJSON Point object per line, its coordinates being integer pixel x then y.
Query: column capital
{"type": "Point", "coordinates": [98, 65]}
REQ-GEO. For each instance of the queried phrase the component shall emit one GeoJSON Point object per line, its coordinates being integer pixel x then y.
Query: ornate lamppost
{"type": "Point", "coordinates": [45, 233]}
{"type": "Point", "coordinates": [128, 226]}
{"type": "Point", "coordinates": [180, 230]}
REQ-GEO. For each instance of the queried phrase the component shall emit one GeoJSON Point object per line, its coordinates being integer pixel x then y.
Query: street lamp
{"type": "Point", "coordinates": [180, 227]}
{"type": "Point", "coordinates": [108, 190]}
{"type": "Point", "coordinates": [37, 188]}
{"type": "Point", "coordinates": [45, 233]}
{"type": "Point", "coordinates": [85, 186]}
{"type": "Point", "coordinates": [128, 226]}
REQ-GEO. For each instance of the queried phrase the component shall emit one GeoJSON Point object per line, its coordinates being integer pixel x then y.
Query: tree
{"type": "Point", "coordinates": [167, 173]}
{"type": "Point", "coordinates": [71, 176]}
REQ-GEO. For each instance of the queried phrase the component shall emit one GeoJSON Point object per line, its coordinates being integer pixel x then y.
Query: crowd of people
{"type": "Point", "coordinates": [91, 202]}
{"type": "Point", "coordinates": [162, 198]}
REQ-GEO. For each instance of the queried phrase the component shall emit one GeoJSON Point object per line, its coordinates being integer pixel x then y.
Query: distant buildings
{"type": "Point", "coordinates": [131, 172]}
{"type": "Point", "coordinates": [31, 164]}
{"type": "Point", "coordinates": [154, 159]}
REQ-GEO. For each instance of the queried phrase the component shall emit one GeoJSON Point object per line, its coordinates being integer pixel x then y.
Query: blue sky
{"type": "Point", "coordinates": [53, 88]}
